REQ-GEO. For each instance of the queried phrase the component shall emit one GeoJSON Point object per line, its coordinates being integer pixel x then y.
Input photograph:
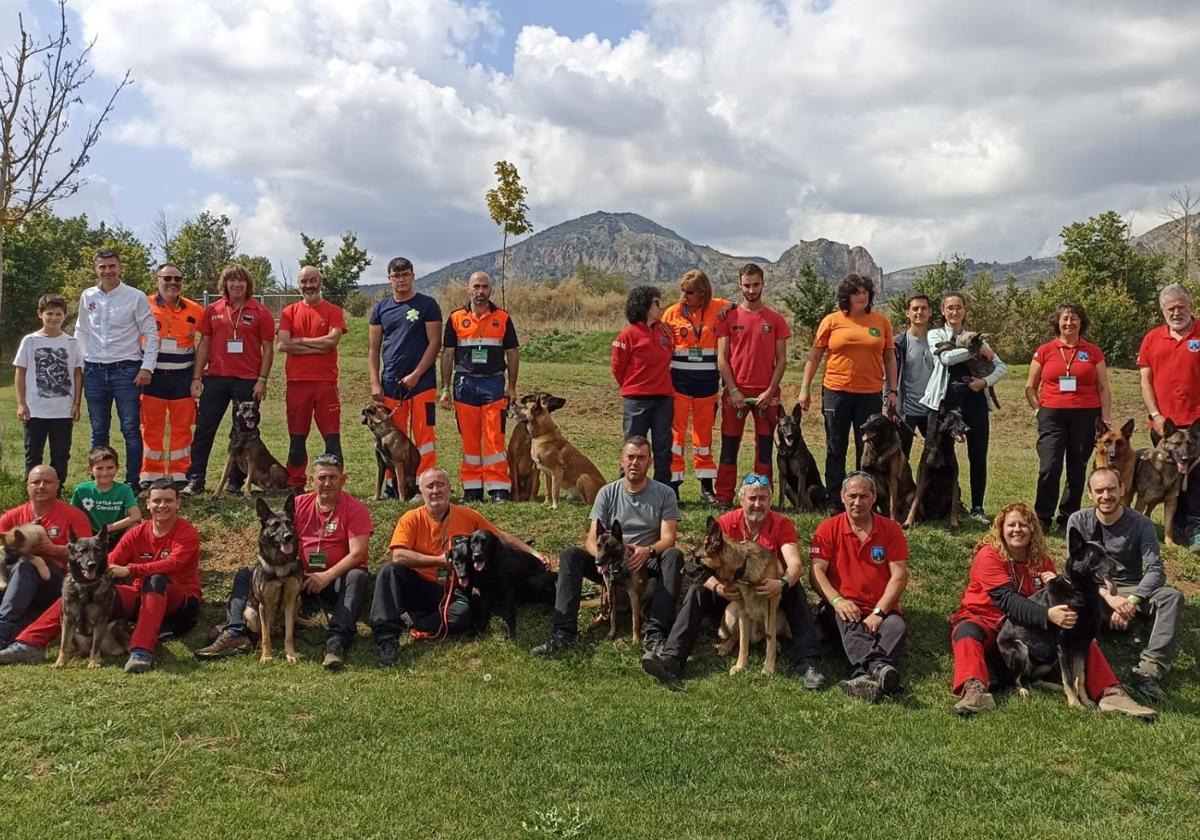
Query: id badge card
{"type": "Point", "coordinates": [479, 355]}
{"type": "Point", "coordinates": [234, 345]}
{"type": "Point", "coordinates": [316, 560]}
{"type": "Point", "coordinates": [1066, 385]}
{"type": "Point", "coordinates": [443, 575]}
{"type": "Point", "coordinates": [695, 354]}
{"type": "Point", "coordinates": [168, 345]}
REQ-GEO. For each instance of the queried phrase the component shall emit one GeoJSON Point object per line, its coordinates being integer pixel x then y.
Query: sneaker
{"type": "Point", "coordinates": [194, 487]}
{"type": "Point", "coordinates": [21, 653]}
{"type": "Point", "coordinates": [651, 643]}
{"type": "Point", "coordinates": [475, 494]}
{"type": "Point", "coordinates": [975, 698]}
{"type": "Point", "coordinates": [979, 516]}
{"type": "Point", "coordinates": [140, 661]}
{"type": "Point", "coordinates": [665, 669]}
{"type": "Point", "coordinates": [814, 680]}
{"type": "Point", "coordinates": [335, 654]}
{"type": "Point", "coordinates": [888, 679]}
{"type": "Point", "coordinates": [861, 688]}
{"type": "Point", "coordinates": [389, 651]}
{"type": "Point", "coordinates": [1121, 703]}
{"type": "Point", "coordinates": [557, 644]}
{"type": "Point", "coordinates": [707, 496]}
{"type": "Point", "coordinates": [500, 496]}
{"type": "Point", "coordinates": [1148, 686]}
{"type": "Point", "coordinates": [226, 644]}
{"type": "Point", "coordinates": [1194, 545]}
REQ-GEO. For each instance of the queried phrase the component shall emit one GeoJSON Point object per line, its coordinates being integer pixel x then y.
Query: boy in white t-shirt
{"type": "Point", "coordinates": [49, 385]}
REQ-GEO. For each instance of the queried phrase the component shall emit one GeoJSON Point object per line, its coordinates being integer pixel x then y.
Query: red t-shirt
{"type": "Point", "coordinates": [776, 531]}
{"type": "Point", "coordinates": [417, 531]}
{"type": "Point", "coordinates": [332, 532]}
{"type": "Point", "coordinates": [990, 570]}
{"type": "Point", "coordinates": [1058, 360]}
{"type": "Point", "coordinates": [61, 517]}
{"type": "Point", "coordinates": [1175, 370]}
{"type": "Point", "coordinates": [752, 337]}
{"type": "Point", "coordinates": [175, 554]}
{"type": "Point", "coordinates": [302, 320]}
{"type": "Point", "coordinates": [250, 324]}
{"type": "Point", "coordinates": [641, 360]}
{"type": "Point", "coordinates": [859, 571]}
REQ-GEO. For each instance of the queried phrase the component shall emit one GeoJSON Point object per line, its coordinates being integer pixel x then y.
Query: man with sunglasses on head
{"type": "Point", "coordinates": [168, 396]}
{"type": "Point", "coordinates": [755, 521]}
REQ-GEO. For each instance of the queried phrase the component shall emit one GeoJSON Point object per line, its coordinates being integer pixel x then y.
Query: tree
{"type": "Point", "coordinates": [811, 300]}
{"type": "Point", "coordinates": [1117, 320]}
{"type": "Point", "coordinates": [339, 276]}
{"type": "Point", "coordinates": [506, 205]}
{"type": "Point", "coordinates": [1182, 212]}
{"type": "Point", "coordinates": [934, 282]}
{"type": "Point", "coordinates": [135, 259]}
{"type": "Point", "coordinates": [202, 247]}
{"type": "Point", "coordinates": [261, 272]}
{"type": "Point", "coordinates": [1099, 252]}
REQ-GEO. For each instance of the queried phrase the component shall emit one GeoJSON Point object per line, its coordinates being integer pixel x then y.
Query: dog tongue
{"type": "Point", "coordinates": [478, 565]}
{"type": "Point", "coordinates": [1183, 468]}
{"type": "Point", "coordinates": [90, 574]}
{"type": "Point", "coordinates": [286, 548]}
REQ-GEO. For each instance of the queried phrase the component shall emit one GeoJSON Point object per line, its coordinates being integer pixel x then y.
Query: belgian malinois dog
{"type": "Point", "coordinates": [275, 586]}
{"type": "Point", "coordinates": [567, 470]}
{"type": "Point", "coordinates": [248, 452]}
{"type": "Point", "coordinates": [611, 556]}
{"type": "Point", "coordinates": [393, 450]}
{"type": "Point", "coordinates": [526, 477]}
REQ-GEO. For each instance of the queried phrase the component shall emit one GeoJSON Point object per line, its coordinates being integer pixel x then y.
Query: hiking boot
{"type": "Point", "coordinates": [475, 494]}
{"type": "Point", "coordinates": [814, 680]}
{"type": "Point", "coordinates": [665, 669]}
{"type": "Point", "coordinates": [140, 661]}
{"type": "Point", "coordinates": [979, 516]}
{"type": "Point", "coordinates": [194, 487]}
{"type": "Point", "coordinates": [1148, 686]}
{"type": "Point", "coordinates": [21, 653]}
{"type": "Point", "coordinates": [652, 642]}
{"type": "Point", "coordinates": [1194, 545]}
{"type": "Point", "coordinates": [226, 644]}
{"type": "Point", "coordinates": [861, 688]}
{"type": "Point", "coordinates": [1121, 703]}
{"type": "Point", "coordinates": [335, 654]}
{"type": "Point", "coordinates": [557, 644]}
{"type": "Point", "coordinates": [975, 698]}
{"type": "Point", "coordinates": [389, 651]}
{"type": "Point", "coordinates": [707, 496]}
{"type": "Point", "coordinates": [888, 679]}
{"type": "Point", "coordinates": [501, 496]}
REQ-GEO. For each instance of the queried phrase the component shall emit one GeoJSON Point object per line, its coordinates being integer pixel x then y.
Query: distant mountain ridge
{"type": "Point", "coordinates": [1027, 271]}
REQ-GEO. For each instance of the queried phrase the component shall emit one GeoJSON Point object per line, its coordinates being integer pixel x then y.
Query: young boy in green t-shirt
{"type": "Point", "coordinates": [105, 500]}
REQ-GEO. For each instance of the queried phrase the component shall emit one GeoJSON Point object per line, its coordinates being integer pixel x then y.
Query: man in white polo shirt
{"type": "Point", "coordinates": [119, 340]}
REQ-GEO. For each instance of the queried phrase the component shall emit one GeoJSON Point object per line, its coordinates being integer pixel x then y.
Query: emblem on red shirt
{"type": "Point", "coordinates": [165, 553]}
{"type": "Point", "coordinates": [495, 323]}
{"type": "Point", "coordinates": [1194, 344]}
{"type": "Point", "coordinates": [331, 526]}
{"type": "Point", "coordinates": [1084, 356]}
{"type": "Point", "coordinates": [53, 531]}
{"type": "Point", "coordinates": [877, 554]}
{"type": "Point", "coordinates": [766, 328]}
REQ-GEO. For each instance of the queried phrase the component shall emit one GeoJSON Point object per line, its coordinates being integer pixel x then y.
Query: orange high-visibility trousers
{"type": "Point", "coordinates": [173, 462]}
{"type": "Point", "coordinates": [417, 418]}
{"type": "Point", "coordinates": [703, 411]}
{"type": "Point", "coordinates": [485, 456]}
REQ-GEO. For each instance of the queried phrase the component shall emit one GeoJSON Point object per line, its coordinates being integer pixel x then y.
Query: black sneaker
{"type": "Point", "coordinates": [707, 496]}
{"type": "Point", "coordinates": [665, 669]}
{"type": "Point", "coordinates": [888, 679]}
{"type": "Point", "coordinates": [557, 644]}
{"type": "Point", "coordinates": [194, 487]}
{"type": "Point", "coordinates": [501, 496]}
{"type": "Point", "coordinates": [475, 494]}
{"type": "Point", "coordinates": [1148, 686]}
{"type": "Point", "coordinates": [389, 651]}
{"type": "Point", "coordinates": [861, 688]}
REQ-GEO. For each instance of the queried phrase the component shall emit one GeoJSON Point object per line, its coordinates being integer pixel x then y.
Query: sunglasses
{"type": "Point", "coordinates": [755, 478]}
{"type": "Point", "coordinates": [169, 278]}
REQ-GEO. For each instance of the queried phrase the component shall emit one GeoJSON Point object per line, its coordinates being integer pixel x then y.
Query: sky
{"type": "Point", "coordinates": [916, 129]}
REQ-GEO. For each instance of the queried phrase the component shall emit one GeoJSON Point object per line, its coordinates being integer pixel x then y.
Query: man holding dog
{"type": "Point", "coordinates": [649, 515]}
{"type": "Point", "coordinates": [162, 557]}
{"type": "Point", "coordinates": [1140, 581]}
{"type": "Point", "coordinates": [753, 521]}
{"type": "Point", "coordinates": [309, 332]}
{"type": "Point", "coordinates": [479, 345]}
{"type": "Point", "coordinates": [860, 570]}
{"type": "Point", "coordinates": [334, 530]}
{"type": "Point", "coordinates": [414, 592]}
{"type": "Point", "coordinates": [26, 591]}
{"type": "Point", "coordinates": [1169, 361]}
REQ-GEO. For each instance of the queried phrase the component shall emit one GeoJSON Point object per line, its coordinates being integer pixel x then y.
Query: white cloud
{"type": "Point", "coordinates": [916, 129]}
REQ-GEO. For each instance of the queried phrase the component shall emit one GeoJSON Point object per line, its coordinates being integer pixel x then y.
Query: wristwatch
{"type": "Point", "coordinates": [786, 586]}
{"type": "Point", "coordinates": [877, 611]}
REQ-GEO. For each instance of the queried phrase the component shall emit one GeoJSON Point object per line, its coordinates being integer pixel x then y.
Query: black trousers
{"type": "Point", "coordinates": [1063, 434]}
{"type": "Point", "coordinates": [219, 393]}
{"type": "Point", "coordinates": [918, 422]}
{"type": "Point", "coordinates": [841, 409]}
{"type": "Point", "coordinates": [867, 651]}
{"type": "Point", "coordinates": [58, 431]}
{"type": "Point", "coordinates": [400, 590]}
{"type": "Point", "coordinates": [700, 601]}
{"type": "Point", "coordinates": [975, 413]}
{"type": "Point", "coordinates": [343, 598]}
{"type": "Point", "coordinates": [651, 417]}
{"type": "Point", "coordinates": [575, 564]}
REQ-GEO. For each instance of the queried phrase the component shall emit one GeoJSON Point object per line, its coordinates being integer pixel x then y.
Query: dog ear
{"type": "Point", "coordinates": [555, 403]}
{"type": "Point", "coordinates": [797, 413]}
{"type": "Point", "coordinates": [262, 509]}
{"type": "Point", "coordinates": [1102, 428]}
{"type": "Point", "coordinates": [102, 535]}
{"type": "Point", "coordinates": [714, 534]}
{"type": "Point", "coordinates": [71, 534]}
{"type": "Point", "coordinates": [1127, 429]}
{"type": "Point", "coordinates": [1075, 542]}
{"type": "Point", "coordinates": [616, 530]}
{"type": "Point", "coordinates": [289, 506]}
{"type": "Point", "coordinates": [1168, 427]}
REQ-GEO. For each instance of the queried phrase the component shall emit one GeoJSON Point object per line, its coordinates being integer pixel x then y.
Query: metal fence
{"type": "Point", "coordinates": [275, 302]}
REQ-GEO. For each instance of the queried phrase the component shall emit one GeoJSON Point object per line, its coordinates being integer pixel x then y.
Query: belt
{"type": "Point", "coordinates": [111, 365]}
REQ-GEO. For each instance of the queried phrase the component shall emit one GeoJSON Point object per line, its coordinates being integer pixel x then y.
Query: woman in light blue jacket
{"type": "Point", "coordinates": [950, 381]}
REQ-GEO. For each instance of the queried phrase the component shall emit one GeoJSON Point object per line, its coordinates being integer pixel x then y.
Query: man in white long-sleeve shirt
{"type": "Point", "coordinates": [119, 339]}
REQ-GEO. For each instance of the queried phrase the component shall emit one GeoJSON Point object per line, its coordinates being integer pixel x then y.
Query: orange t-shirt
{"type": "Point", "coordinates": [856, 346]}
{"type": "Point", "coordinates": [417, 531]}
{"type": "Point", "coordinates": [302, 320]}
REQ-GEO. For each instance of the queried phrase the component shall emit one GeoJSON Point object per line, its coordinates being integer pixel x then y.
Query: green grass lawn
{"type": "Point", "coordinates": [476, 739]}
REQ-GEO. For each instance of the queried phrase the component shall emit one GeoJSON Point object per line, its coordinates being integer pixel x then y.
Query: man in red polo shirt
{"type": "Point", "coordinates": [162, 557]}
{"type": "Point", "coordinates": [1169, 359]}
{"type": "Point", "coordinates": [860, 570]}
{"type": "Point", "coordinates": [309, 332]}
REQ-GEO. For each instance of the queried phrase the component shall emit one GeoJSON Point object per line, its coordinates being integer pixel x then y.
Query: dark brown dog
{"type": "Point", "coordinates": [565, 467]}
{"type": "Point", "coordinates": [978, 366]}
{"type": "Point", "coordinates": [18, 543]}
{"type": "Point", "coordinates": [248, 452]}
{"type": "Point", "coordinates": [799, 479]}
{"type": "Point", "coordinates": [1159, 473]}
{"type": "Point", "coordinates": [526, 477]}
{"type": "Point", "coordinates": [883, 458]}
{"type": "Point", "coordinates": [275, 586]}
{"type": "Point", "coordinates": [937, 494]}
{"type": "Point", "coordinates": [611, 554]}
{"type": "Point", "coordinates": [89, 602]}
{"type": "Point", "coordinates": [1115, 451]}
{"type": "Point", "coordinates": [393, 450]}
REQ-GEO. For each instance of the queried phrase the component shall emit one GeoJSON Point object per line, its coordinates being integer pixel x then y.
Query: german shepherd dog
{"type": "Point", "coordinates": [89, 602]}
{"type": "Point", "coordinates": [526, 477]}
{"type": "Point", "coordinates": [275, 585]}
{"type": "Point", "coordinates": [393, 450]}
{"type": "Point", "coordinates": [18, 543]}
{"type": "Point", "coordinates": [799, 478]}
{"type": "Point", "coordinates": [1114, 450]}
{"type": "Point", "coordinates": [1161, 471]}
{"type": "Point", "coordinates": [937, 494]}
{"type": "Point", "coordinates": [248, 452]}
{"type": "Point", "coordinates": [744, 565]}
{"type": "Point", "coordinates": [494, 574]}
{"type": "Point", "coordinates": [977, 365]}
{"type": "Point", "coordinates": [565, 467]}
{"type": "Point", "coordinates": [1032, 653]}
{"type": "Point", "coordinates": [611, 554]}
{"type": "Point", "coordinates": [883, 458]}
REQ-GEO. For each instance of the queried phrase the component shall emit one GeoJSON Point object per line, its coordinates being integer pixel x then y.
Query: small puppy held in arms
{"type": "Point", "coordinates": [799, 479]}
{"type": "Point", "coordinates": [19, 544]}
{"type": "Point", "coordinates": [937, 494]}
{"type": "Point", "coordinates": [883, 459]}
{"type": "Point", "coordinates": [1159, 474]}
{"type": "Point", "coordinates": [1114, 449]}
{"type": "Point", "coordinates": [275, 584]}
{"type": "Point", "coordinates": [978, 365]}
{"type": "Point", "coordinates": [496, 576]}
{"type": "Point", "coordinates": [611, 556]}
{"type": "Point", "coordinates": [89, 603]}
{"type": "Point", "coordinates": [567, 470]}
{"type": "Point", "coordinates": [526, 477]}
{"type": "Point", "coordinates": [393, 451]}
{"type": "Point", "coordinates": [248, 452]}
{"type": "Point", "coordinates": [745, 565]}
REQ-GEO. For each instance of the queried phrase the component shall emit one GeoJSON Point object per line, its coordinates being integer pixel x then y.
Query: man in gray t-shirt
{"type": "Point", "coordinates": [914, 364]}
{"type": "Point", "coordinates": [649, 516]}
{"type": "Point", "coordinates": [1141, 584]}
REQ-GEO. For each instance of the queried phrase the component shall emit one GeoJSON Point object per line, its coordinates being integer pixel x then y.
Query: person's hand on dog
{"type": "Point", "coordinates": [729, 593]}
{"type": "Point", "coordinates": [315, 582]}
{"type": "Point", "coordinates": [639, 556]}
{"type": "Point", "coordinates": [872, 622]}
{"type": "Point", "coordinates": [1048, 576]}
{"type": "Point", "coordinates": [1062, 616]}
{"type": "Point", "coordinates": [118, 572]}
{"type": "Point", "coordinates": [1159, 424]}
{"type": "Point", "coordinates": [770, 588]}
{"type": "Point", "coordinates": [977, 384]}
{"type": "Point", "coordinates": [847, 610]}
{"type": "Point", "coordinates": [987, 352]}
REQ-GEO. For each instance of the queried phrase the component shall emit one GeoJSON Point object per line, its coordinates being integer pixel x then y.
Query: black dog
{"type": "Point", "coordinates": [937, 495]}
{"type": "Point", "coordinates": [799, 479]}
{"type": "Point", "coordinates": [494, 574]}
{"type": "Point", "coordinates": [89, 601]}
{"type": "Point", "coordinates": [1031, 653]}
{"type": "Point", "coordinates": [248, 452]}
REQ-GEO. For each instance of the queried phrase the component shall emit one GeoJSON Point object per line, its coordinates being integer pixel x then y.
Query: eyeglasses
{"type": "Point", "coordinates": [755, 478]}
{"type": "Point", "coordinates": [171, 278]}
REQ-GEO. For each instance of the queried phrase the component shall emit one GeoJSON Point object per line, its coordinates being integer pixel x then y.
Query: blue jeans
{"type": "Point", "coordinates": [103, 385]}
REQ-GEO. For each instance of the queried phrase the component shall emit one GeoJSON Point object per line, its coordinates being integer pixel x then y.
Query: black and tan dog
{"type": "Point", "coordinates": [567, 470]}
{"type": "Point", "coordinates": [248, 452]}
{"type": "Point", "coordinates": [393, 451]}
{"type": "Point", "coordinates": [883, 459]}
{"type": "Point", "coordinates": [745, 565]}
{"type": "Point", "coordinates": [611, 556]}
{"type": "Point", "coordinates": [275, 584]}
{"type": "Point", "coordinates": [977, 364]}
{"type": "Point", "coordinates": [89, 603]}
{"type": "Point", "coordinates": [1160, 473]}
{"type": "Point", "coordinates": [494, 574]}
{"type": "Point", "coordinates": [937, 494]}
{"type": "Point", "coordinates": [1114, 450]}
{"type": "Point", "coordinates": [18, 547]}
{"type": "Point", "coordinates": [1032, 653]}
{"type": "Point", "coordinates": [526, 477]}
{"type": "Point", "coordinates": [799, 479]}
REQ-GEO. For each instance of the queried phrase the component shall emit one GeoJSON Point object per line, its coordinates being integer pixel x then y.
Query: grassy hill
{"type": "Point", "coordinates": [475, 739]}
